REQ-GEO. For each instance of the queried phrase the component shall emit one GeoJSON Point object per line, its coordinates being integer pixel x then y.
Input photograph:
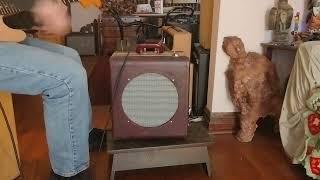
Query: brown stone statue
{"type": "Point", "coordinates": [253, 85]}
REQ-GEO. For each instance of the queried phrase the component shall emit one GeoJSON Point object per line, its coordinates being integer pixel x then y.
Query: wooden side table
{"type": "Point", "coordinates": [140, 154]}
{"type": "Point", "coordinates": [283, 64]}
{"type": "Point", "coordinates": [269, 47]}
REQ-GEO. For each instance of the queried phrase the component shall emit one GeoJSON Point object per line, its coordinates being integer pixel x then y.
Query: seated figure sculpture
{"type": "Point", "coordinates": [253, 85]}
{"type": "Point", "coordinates": [280, 19]}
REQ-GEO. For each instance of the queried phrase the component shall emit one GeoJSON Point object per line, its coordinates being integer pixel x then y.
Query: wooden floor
{"type": "Point", "coordinates": [263, 159]}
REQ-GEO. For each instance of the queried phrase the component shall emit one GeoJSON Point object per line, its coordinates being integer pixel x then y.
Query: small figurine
{"type": "Point", "coordinates": [296, 22]}
{"type": "Point", "coordinates": [313, 19]}
{"type": "Point", "coordinates": [297, 39]}
{"type": "Point", "coordinates": [314, 24]}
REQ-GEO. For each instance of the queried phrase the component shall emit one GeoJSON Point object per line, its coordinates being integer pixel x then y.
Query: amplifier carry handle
{"type": "Point", "coordinates": [150, 47]}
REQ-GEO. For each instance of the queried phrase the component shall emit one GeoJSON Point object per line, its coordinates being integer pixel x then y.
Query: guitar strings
{"type": "Point", "coordinates": [7, 8]}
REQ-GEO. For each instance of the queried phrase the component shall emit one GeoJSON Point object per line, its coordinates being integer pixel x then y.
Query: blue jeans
{"type": "Point", "coordinates": [36, 67]}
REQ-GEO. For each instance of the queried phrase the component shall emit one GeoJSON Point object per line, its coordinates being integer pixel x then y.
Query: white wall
{"type": "Point", "coordinates": [246, 19]}
{"type": "Point", "coordinates": [81, 16]}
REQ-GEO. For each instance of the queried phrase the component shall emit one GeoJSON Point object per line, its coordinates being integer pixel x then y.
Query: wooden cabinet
{"type": "Point", "coordinates": [98, 72]}
{"type": "Point", "coordinates": [111, 32]}
{"type": "Point", "coordinates": [206, 15]}
{"type": "Point", "coordinates": [9, 168]}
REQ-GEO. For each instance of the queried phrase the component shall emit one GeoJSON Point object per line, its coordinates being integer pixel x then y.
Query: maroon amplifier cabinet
{"type": "Point", "coordinates": [149, 95]}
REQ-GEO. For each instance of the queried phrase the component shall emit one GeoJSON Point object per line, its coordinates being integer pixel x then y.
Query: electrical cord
{"type": "Point", "coordinates": [114, 92]}
{"type": "Point", "coordinates": [142, 25]}
{"type": "Point", "coordinates": [12, 139]}
{"type": "Point", "coordinates": [122, 24]}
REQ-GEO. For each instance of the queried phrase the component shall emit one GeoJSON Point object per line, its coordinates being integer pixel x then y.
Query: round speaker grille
{"type": "Point", "coordinates": [150, 100]}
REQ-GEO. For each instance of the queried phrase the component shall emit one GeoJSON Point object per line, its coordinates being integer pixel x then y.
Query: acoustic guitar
{"type": "Point", "coordinates": [13, 31]}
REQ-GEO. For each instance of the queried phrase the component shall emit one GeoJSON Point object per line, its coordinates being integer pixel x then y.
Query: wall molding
{"type": "Point", "coordinates": [222, 122]}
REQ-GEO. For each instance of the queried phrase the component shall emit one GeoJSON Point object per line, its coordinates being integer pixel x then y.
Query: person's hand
{"type": "Point", "coordinates": [52, 17]}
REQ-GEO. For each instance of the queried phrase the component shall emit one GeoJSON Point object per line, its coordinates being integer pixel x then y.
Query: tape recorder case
{"type": "Point", "coordinates": [149, 95]}
{"type": "Point", "coordinates": [179, 41]}
{"type": "Point", "coordinates": [84, 43]}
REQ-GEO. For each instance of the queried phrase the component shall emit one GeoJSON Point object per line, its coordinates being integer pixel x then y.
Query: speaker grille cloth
{"type": "Point", "coordinates": [150, 100]}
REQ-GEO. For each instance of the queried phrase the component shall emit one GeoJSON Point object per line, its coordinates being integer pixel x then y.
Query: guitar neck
{"type": "Point", "coordinates": [67, 2]}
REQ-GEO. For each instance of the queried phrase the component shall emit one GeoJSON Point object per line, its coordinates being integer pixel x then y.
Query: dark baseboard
{"type": "Point", "coordinates": [222, 123]}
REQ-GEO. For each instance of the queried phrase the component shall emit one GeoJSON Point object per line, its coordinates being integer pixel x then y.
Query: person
{"type": "Point", "coordinates": [35, 67]}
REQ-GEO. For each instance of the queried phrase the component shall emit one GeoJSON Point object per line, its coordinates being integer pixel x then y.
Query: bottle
{"type": "Point", "coordinates": [158, 6]}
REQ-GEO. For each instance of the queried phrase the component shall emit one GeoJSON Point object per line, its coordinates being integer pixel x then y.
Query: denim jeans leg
{"type": "Point", "coordinates": [63, 84]}
{"type": "Point", "coordinates": [63, 50]}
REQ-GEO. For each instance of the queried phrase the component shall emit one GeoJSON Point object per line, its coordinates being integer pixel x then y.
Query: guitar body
{"type": "Point", "coordinates": [10, 35]}
{"type": "Point", "coordinates": [87, 3]}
